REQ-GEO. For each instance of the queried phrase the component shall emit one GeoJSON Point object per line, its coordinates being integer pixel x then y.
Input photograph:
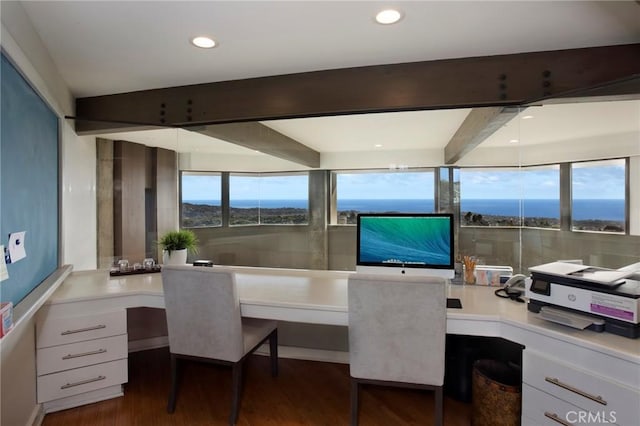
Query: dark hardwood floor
{"type": "Point", "coordinates": [305, 393]}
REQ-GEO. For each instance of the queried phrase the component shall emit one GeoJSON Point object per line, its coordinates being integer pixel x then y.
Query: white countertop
{"type": "Point", "coordinates": [321, 297]}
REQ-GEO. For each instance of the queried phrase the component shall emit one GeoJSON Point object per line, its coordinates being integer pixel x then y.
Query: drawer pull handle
{"type": "Point", "coordinates": [570, 388]}
{"type": "Point", "coordinates": [80, 330]}
{"type": "Point", "coordinates": [71, 356]}
{"type": "Point", "coordinates": [556, 418]}
{"type": "Point", "coordinates": [83, 382]}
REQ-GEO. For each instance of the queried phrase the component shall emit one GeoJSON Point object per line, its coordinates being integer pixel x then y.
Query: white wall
{"type": "Point", "coordinates": [23, 46]}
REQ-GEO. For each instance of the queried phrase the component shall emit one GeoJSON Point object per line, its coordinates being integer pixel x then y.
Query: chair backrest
{"type": "Point", "coordinates": [203, 312]}
{"type": "Point", "coordinates": [397, 328]}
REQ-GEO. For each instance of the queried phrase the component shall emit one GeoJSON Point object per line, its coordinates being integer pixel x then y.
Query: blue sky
{"type": "Point", "coordinates": [601, 182]}
{"type": "Point", "coordinates": [597, 181]}
{"type": "Point", "coordinates": [589, 181]}
{"type": "Point", "coordinates": [398, 185]}
{"type": "Point", "coordinates": [201, 187]}
{"type": "Point", "coordinates": [510, 184]}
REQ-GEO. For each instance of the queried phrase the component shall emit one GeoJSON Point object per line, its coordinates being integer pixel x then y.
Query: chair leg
{"type": "Point", "coordinates": [439, 408]}
{"type": "Point", "coordinates": [355, 397]}
{"type": "Point", "coordinates": [273, 352]}
{"type": "Point", "coordinates": [236, 372]}
{"type": "Point", "coordinates": [173, 391]}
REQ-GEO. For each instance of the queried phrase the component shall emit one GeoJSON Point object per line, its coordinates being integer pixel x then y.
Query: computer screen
{"type": "Point", "coordinates": [407, 243]}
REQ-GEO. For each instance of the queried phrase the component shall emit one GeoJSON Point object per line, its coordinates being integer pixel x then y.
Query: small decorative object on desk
{"type": "Point", "coordinates": [148, 263]}
{"type": "Point", "coordinates": [147, 266]}
{"type": "Point", "coordinates": [176, 244]}
{"type": "Point", "coordinates": [202, 262]}
{"type": "Point", "coordinates": [469, 269]}
{"type": "Point", "coordinates": [123, 265]}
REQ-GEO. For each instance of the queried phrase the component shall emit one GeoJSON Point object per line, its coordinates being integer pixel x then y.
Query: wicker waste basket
{"type": "Point", "coordinates": [495, 394]}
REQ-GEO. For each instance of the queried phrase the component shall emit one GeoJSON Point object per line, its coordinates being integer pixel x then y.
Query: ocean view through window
{"type": "Point", "coordinates": [598, 195]}
{"type": "Point", "coordinates": [511, 197]}
{"type": "Point", "coordinates": [400, 191]}
{"type": "Point", "coordinates": [278, 198]}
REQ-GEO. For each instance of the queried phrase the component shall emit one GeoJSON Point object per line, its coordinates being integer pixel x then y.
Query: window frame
{"type": "Point", "coordinates": [566, 197]}
{"type": "Point", "coordinates": [181, 201]}
{"type": "Point", "coordinates": [626, 202]}
{"type": "Point", "coordinates": [265, 175]}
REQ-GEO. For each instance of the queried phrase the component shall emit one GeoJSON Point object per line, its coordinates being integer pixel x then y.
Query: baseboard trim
{"type": "Point", "coordinates": [37, 416]}
{"type": "Point", "coordinates": [97, 395]}
{"type": "Point", "coordinates": [291, 352]}
{"type": "Point", "coordinates": [307, 354]}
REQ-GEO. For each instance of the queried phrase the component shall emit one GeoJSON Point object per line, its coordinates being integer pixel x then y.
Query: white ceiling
{"type": "Point", "coordinates": [106, 47]}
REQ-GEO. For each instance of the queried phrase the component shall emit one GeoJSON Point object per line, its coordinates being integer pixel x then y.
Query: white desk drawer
{"type": "Point", "coordinates": [542, 409]}
{"type": "Point", "coordinates": [580, 388]}
{"type": "Point", "coordinates": [81, 354]}
{"type": "Point", "coordinates": [52, 331]}
{"type": "Point", "coordinates": [80, 380]}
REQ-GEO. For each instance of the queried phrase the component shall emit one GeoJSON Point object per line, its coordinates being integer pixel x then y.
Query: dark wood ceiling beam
{"type": "Point", "coordinates": [478, 126]}
{"type": "Point", "coordinates": [500, 80]}
{"type": "Point", "coordinates": [627, 89]}
{"type": "Point", "coordinates": [257, 136]}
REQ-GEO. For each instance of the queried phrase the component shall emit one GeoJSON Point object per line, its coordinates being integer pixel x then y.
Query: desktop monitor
{"type": "Point", "coordinates": [412, 244]}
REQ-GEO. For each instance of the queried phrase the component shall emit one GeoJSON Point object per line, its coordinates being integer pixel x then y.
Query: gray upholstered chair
{"type": "Point", "coordinates": [397, 331]}
{"type": "Point", "coordinates": [204, 324]}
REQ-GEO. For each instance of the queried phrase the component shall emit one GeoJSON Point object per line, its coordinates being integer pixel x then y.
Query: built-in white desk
{"type": "Point", "coordinates": [598, 362]}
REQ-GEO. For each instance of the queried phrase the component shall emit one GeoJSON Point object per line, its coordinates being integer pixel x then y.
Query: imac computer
{"type": "Point", "coordinates": [412, 244]}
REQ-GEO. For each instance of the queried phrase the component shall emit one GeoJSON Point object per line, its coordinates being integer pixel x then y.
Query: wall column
{"type": "Point", "coordinates": [318, 238]}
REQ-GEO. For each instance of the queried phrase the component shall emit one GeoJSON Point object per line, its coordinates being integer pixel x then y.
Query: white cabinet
{"type": "Point", "coordinates": [81, 358]}
{"type": "Point", "coordinates": [557, 392]}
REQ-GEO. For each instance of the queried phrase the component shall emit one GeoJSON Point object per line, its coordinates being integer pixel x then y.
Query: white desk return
{"type": "Point", "coordinates": [320, 297]}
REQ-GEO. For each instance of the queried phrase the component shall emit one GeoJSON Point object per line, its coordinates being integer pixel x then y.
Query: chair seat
{"type": "Point", "coordinates": [255, 330]}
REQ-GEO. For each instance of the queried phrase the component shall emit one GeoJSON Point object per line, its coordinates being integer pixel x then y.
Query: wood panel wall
{"type": "Point", "coordinates": [138, 200]}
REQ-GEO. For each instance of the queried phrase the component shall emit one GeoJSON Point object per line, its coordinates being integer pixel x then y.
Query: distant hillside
{"type": "Point", "coordinates": [199, 215]}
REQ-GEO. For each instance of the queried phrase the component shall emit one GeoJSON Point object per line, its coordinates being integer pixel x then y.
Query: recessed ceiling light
{"type": "Point", "coordinates": [526, 117]}
{"type": "Point", "coordinates": [203, 42]}
{"type": "Point", "coordinates": [378, 145]}
{"type": "Point", "coordinates": [388, 16]}
{"type": "Point", "coordinates": [514, 141]}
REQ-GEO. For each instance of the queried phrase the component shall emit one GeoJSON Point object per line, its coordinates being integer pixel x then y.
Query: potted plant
{"type": "Point", "coordinates": [176, 244]}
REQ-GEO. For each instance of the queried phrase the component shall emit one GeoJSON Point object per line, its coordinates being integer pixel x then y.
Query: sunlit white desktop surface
{"type": "Point", "coordinates": [320, 297]}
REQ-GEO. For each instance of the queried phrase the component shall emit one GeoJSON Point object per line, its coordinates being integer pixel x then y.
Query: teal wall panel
{"type": "Point", "coordinates": [28, 182]}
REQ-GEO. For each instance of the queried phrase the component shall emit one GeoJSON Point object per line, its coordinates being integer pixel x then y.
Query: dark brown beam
{"type": "Point", "coordinates": [628, 89]}
{"type": "Point", "coordinates": [478, 126]}
{"type": "Point", "coordinates": [500, 80]}
{"type": "Point", "coordinates": [259, 137]}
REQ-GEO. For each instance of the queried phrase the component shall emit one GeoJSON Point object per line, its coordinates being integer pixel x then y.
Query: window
{"type": "Point", "coordinates": [528, 196]}
{"type": "Point", "coordinates": [598, 196]}
{"type": "Point", "coordinates": [201, 199]}
{"type": "Point", "coordinates": [268, 199]}
{"type": "Point", "coordinates": [383, 192]}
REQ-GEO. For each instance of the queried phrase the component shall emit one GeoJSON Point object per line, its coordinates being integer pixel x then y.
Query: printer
{"type": "Point", "coordinates": [587, 297]}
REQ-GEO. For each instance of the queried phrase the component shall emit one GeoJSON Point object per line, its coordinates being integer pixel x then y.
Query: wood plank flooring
{"type": "Point", "coordinates": [305, 393]}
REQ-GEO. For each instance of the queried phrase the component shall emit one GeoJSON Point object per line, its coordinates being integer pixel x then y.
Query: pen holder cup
{"type": "Point", "coordinates": [469, 274]}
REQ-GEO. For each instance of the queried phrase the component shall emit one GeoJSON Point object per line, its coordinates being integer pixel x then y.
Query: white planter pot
{"type": "Point", "coordinates": [177, 257]}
